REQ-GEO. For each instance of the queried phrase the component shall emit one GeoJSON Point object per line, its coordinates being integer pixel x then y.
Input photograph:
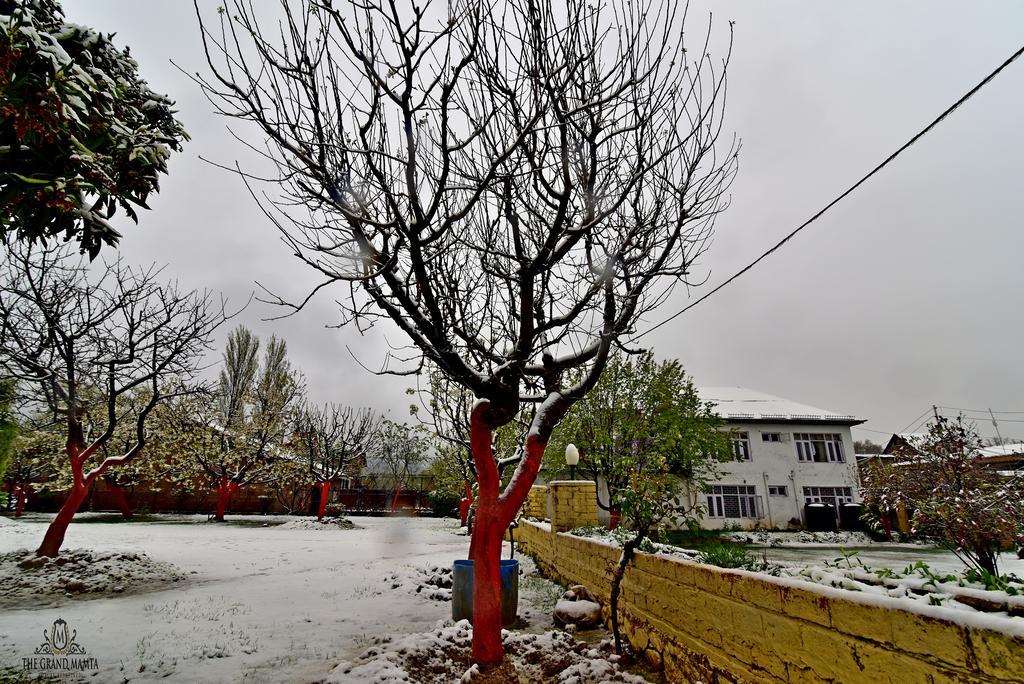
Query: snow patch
{"type": "Point", "coordinates": [314, 524]}
{"type": "Point", "coordinates": [28, 579]}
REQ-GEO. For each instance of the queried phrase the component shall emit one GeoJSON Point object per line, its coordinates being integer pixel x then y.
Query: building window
{"type": "Point", "coordinates": [777, 490]}
{"type": "Point", "coordinates": [733, 501]}
{"type": "Point", "coordinates": [771, 436]}
{"type": "Point", "coordinates": [819, 448]}
{"type": "Point", "coordinates": [828, 495]}
{"type": "Point", "coordinates": [741, 446]}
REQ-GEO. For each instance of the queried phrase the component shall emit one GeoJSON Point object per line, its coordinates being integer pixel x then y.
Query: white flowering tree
{"type": "Point", "coordinates": [951, 494]}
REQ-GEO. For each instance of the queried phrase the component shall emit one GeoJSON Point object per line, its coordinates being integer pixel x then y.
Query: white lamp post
{"type": "Point", "coordinates": [572, 457]}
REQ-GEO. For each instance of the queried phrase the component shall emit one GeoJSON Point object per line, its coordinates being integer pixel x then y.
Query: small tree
{"type": "Point", "coordinates": [674, 442]}
{"type": "Point", "coordinates": [638, 401]}
{"type": "Point", "coordinates": [82, 341]}
{"type": "Point", "coordinates": [288, 478]}
{"type": "Point", "coordinates": [81, 134]}
{"type": "Point", "coordinates": [401, 453]}
{"type": "Point", "coordinates": [8, 423]}
{"type": "Point", "coordinates": [951, 494]}
{"type": "Point", "coordinates": [241, 428]}
{"type": "Point", "coordinates": [330, 439]}
{"type": "Point", "coordinates": [35, 458]}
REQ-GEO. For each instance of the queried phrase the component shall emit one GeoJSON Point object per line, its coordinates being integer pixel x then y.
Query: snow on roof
{"type": "Point", "coordinates": [740, 403]}
{"type": "Point", "coordinates": [1004, 450]}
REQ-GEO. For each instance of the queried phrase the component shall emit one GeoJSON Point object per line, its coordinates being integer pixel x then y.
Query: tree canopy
{"type": "Point", "coordinates": [81, 134]}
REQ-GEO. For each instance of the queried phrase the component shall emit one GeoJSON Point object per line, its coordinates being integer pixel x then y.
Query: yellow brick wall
{"type": "Point", "coordinates": [573, 504]}
{"type": "Point", "coordinates": [536, 504]}
{"type": "Point", "coordinates": [714, 625]}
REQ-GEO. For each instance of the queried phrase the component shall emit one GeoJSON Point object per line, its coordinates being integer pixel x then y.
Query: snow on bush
{"type": "Point", "coordinates": [28, 579]}
{"type": "Point", "coordinates": [443, 655]}
{"type": "Point", "coordinates": [314, 524]}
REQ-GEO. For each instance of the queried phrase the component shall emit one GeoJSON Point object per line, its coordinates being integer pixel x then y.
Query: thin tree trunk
{"type": "Point", "coordinates": [54, 537]}
{"type": "Point", "coordinates": [628, 553]}
{"type": "Point", "coordinates": [120, 500]}
{"type": "Point", "coordinates": [22, 495]}
{"type": "Point", "coordinates": [325, 490]}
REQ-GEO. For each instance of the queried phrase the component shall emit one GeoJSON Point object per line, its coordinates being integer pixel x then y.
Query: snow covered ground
{"type": "Point", "coordinates": [259, 603]}
{"type": "Point", "coordinates": [263, 600]}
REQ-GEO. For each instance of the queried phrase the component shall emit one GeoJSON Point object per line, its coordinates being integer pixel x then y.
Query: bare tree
{"type": "Point", "coordinates": [514, 185]}
{"type": "Point", "coordinates": [332, 438]}
{"type": "Point", "coordinates": [81, 340]}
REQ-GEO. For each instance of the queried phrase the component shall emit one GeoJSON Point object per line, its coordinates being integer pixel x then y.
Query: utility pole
{"type": "Point", "coordinates": [996, 426]}
{"type": "Point", "coordinates": [935, 410]}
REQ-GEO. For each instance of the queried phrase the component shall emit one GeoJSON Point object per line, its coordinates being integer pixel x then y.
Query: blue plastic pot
{"type": "Point", "coordinates": [462, 591]}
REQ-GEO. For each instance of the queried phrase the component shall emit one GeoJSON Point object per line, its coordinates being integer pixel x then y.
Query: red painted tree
{"type": "Point", "coordinates": [81, 340]}
{"type": "Point", "coordinates": [513, 185]}
{"type": "Point", "coordinates": [332, 440]}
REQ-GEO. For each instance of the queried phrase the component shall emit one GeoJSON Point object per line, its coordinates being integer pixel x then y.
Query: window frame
{"type": "Point", "coordinates": [740, 442]}
{"type": "Point", "coordinates": [830, 449]}
{"type": "Point", "coordinates": [723, 499]}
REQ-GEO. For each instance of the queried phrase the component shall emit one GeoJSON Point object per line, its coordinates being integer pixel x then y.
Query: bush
{"type": "Point", "coordinates": [727, 556]}
{"type": "Point", "coordinates": [443, 504]}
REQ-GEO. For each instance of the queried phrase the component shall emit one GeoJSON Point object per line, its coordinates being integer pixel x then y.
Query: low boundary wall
{"type": "Point", "coordinates": [708, 624]}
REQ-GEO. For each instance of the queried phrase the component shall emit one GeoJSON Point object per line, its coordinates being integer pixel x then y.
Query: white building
{"type": "Point", "coordinates": [786, 455]}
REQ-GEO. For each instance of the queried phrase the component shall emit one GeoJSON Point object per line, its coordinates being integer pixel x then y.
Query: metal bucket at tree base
{"type": "Point", "coordinates": [462, 591]}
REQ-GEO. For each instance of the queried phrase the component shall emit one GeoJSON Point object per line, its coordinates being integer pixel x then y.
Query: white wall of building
{"type": "Point", "coordinates": [776, 463]}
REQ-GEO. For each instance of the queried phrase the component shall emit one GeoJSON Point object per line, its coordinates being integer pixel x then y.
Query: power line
{"type": "Point", "coordinates": [967, 410]}
{"type": "Point", "coordinates": [917, 420]}
{"type": "Point", "coordinates": [970, 93]}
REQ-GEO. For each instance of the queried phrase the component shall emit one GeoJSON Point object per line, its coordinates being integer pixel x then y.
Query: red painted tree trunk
{"type": "Point", "coordinates": [224, 491]}
{"type": "Point", "coordinates": [465, 503]}
{"type": "Point", "coordinates": [394, 498]}
{"type": "Point", "coordinates": [120, 500]}
{"type": "Point", "coordinates": [325, 491]}
{"type": "Point", "coordinates": [495, 511]}
{"type": "Point", "coordinates": [22, 495]}
{"type": "Point", "coordinates": [54, 537]}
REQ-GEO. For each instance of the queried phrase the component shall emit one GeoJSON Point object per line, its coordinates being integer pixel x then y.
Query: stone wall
{"type": "Point", "coordinates": [536, 505]}
{"type": "Point", "coordinates": [713, 625]}
{"type": "Point", "coordinates": [573, 504]}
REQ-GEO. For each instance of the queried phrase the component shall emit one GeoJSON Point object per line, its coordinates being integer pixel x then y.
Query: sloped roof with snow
{"type": "Point", "coordinates": [740, 404]}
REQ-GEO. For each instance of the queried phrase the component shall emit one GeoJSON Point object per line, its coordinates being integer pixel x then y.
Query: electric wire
{"type": "Point", "coordinates": [970, 93]}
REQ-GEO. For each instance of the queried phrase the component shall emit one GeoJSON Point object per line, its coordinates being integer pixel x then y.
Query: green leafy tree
{"type": "Point", "coordinates": [952, 495]}
{"type": "Point", "coordinates": [8, 424]}
{"type": "Point", "coordinates": [642, 404]}
{"type": "Point", "coordinates": [645, 431]}
{"type": "Point", "coordinates": [81, 134]}
{"type": "Point", "coordinates": [35, 462]}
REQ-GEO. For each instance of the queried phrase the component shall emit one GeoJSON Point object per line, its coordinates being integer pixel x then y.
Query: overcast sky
{"type": "Point", "coordinates": [905, 295]}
